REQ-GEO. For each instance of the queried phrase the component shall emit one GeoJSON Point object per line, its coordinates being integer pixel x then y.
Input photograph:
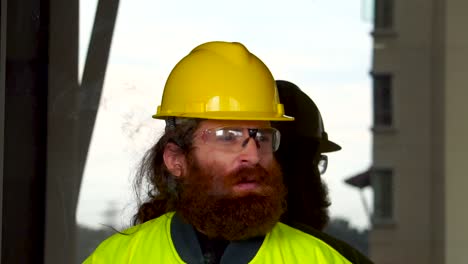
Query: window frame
{"type": "Point", "coordinates": [383, 186]}
{"type": "Point", "coordinates": [382, 100]}
{"type": "Point", "coordinates": [384, 15]}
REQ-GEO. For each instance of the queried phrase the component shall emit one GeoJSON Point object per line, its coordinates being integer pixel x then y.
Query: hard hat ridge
{"type": "Point", "coordinates": [235, 53]}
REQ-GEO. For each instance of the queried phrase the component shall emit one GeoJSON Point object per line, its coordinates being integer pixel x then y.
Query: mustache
{"type": "Point", "coordinates": [257, 174]}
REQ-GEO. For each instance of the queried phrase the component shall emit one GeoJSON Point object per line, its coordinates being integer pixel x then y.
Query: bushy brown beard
{"type": "Point", "coordinates": [207, 203]}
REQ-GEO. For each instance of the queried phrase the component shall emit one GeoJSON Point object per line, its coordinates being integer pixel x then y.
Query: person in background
{"type": "Point", "coordinates": [301, 157]}
{"type": "Point", "coordinates": [213, 191]}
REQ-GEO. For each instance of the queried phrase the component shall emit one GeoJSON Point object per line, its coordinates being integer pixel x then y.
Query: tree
{"type": "Point", "coordinates": [341, 229]}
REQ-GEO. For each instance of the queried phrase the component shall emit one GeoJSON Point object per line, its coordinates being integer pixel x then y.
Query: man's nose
{"type": "Point", "coordinates": [250, 151]}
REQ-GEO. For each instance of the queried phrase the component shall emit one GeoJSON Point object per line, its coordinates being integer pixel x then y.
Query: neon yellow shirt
{"type": "Point", "coordinates": [166, 240]}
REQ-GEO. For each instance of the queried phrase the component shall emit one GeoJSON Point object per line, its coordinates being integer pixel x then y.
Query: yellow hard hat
{"type": "Point", "coordinates": [221, 80]}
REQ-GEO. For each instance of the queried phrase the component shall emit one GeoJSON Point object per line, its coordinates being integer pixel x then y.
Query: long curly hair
{"type": "Point", "coordinates": [153, 178]}
{"type": "Point", "coordinates": [307, 196]}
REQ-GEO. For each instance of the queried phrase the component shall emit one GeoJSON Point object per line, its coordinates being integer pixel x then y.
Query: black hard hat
{"type": "Point", "coordinates": [307, 119]}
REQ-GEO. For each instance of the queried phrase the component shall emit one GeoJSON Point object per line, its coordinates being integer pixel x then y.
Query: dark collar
{"type": "Point", "coordinates": [187, 245]}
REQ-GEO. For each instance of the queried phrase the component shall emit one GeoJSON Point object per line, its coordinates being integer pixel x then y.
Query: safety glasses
{"type": "Point", "coordinates": [322, 164]}
{"type": "Point", "coordinates": [234, 139]}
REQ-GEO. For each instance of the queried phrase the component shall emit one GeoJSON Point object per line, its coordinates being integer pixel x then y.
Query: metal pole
{"type": "Point", "coordinates": [3, 13]}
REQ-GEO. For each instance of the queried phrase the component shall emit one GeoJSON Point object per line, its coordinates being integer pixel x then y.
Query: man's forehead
{"type": "Point", "coordinates": [211, 123]}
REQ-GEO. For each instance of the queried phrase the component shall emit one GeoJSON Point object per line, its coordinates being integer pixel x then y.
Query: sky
{"type": "Point", "coordinates": [323, 46]}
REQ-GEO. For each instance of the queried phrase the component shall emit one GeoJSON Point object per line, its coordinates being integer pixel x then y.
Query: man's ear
{"type": "Point", "coordinates": [174, 159]}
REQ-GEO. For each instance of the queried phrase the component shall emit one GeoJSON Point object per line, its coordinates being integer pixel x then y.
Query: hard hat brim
{"type": "Point", "coordinates": [228, 116]}
{"type": "Point", "coordinates": [328, 146]}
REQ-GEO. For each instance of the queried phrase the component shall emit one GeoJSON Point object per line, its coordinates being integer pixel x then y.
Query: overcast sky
{"type": "Point", "coordinates": [323, 46]}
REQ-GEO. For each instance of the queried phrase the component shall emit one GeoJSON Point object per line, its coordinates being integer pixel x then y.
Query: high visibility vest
{"type": "Point", "coordinates": [153, 242]}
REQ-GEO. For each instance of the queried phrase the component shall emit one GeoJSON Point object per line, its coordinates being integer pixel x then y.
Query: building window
{"type": "Point", "coordinates": [382, 184]}
{"type": "Point", "coordinates": [383, 17]}
{"type": "Point", "coordinates": [383, 106]}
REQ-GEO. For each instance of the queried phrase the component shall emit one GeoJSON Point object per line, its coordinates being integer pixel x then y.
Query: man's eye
{"type": "Point", "coordinates": [263, 137]}
{"type": "Point", "coordinates": [227, 136]}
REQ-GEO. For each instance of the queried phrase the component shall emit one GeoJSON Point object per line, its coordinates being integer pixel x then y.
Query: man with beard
{"type": "Point", "coordinates": [304, 144]}
{"type": "Point", "coordinates": [215, 192]}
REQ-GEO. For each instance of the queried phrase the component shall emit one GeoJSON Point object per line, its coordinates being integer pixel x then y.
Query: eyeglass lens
{"type": "Point", "coordinates": [235, 139]}
{"type": "Point", "coordinates": [322, 164]}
